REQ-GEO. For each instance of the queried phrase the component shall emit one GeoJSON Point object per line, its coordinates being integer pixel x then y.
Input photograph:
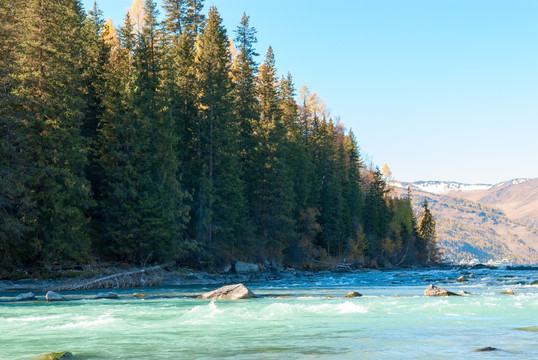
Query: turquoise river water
{"type": "Point", "coordinates": [300, 317]}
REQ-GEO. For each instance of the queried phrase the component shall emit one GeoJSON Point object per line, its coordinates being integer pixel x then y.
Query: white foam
{"type": "Point", "coordinates": [86, 322]}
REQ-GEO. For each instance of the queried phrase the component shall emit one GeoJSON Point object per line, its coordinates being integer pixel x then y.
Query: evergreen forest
{"type": "Point", "coordinates": [169, 139]}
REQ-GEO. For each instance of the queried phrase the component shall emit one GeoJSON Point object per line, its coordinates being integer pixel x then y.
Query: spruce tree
{"type": "Point", "coordinates": [50, 89]}
{"type": "Point", "coordinates": [17, 211]}
{"type": "Point", "coordinates": [426, 231]}
{"type": "Point", "coordinates": [219, 201]}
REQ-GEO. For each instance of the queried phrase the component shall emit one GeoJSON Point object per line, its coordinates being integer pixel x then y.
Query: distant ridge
{"type": "Point", "coordinates": [484, 221]}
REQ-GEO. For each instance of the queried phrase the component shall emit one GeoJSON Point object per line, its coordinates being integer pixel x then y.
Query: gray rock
{"type": "Point", "coordinates": [25, 296]}
{"type": "Point", "coordinates": [353, 294]}
{"type": "Point", "coordinates": [437, 291]}
{"type": "Point", "coordinates": [229, 292]}
{"type": "Point", "coordinates": [246, 268]}
{"type": "Point", "coordinates": [53, 296]}
{"type": "Point", "coordinates": [108, 295]}
{"type": "Point", "coordinates": [487, 348]}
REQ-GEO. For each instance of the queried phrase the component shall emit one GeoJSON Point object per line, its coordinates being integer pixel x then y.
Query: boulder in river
{"type": "Point", "coordinates": [535, 282]}
{"type": "Point", "coordinates": [25, 296]}
{"type": "Point", "coordinates": [57, 356]}
{"type": "Point", "coordinates": [433, 290]}
{"type": "Point", "coordinates": [487, 348]}
{"type": "Point", "coordinates": [246, 268]}
{"type": "Point", "coordinates": [139, 295]}
{"type": "Point", "coordinates": [53, 296]}
{"type": "Point", "coordinates": [353, 294]}
{"type": "Point", "coordinates": [108, 295]}
{"type": "Point", "coordinates": [462, 279]}
{"type": "Point", "coordinates": [229, 292]}
{"type": "Point", "coordinates": [508, 292]}
{"type": "Point", "coordinates": [463, 293]}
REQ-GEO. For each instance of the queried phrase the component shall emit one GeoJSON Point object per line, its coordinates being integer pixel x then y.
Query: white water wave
{"type": "Point", "coordinates": [85, 322]}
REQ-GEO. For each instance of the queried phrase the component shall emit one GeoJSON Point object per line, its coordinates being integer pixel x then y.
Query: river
{"type": "Point", "coordinates": [299, 317]}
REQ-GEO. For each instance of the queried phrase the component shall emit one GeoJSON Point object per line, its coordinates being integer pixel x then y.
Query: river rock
{"type": "Point", "coordinates": [57, 356]}
{"type": "Point", "coordinates": [53, 296]}
{"type": "Point", "coordinates": [463, 293]}
{"type": "Point", "coordinates": [139, 295]}
{"type": "Point", "coordinates": [487, 348]}
{"type": "Point", "coordinates": [108, 295]}
{"type": "Point", "coordinates": [433, 290]}
{"type": "Point", "coordinates": [229, 292]}
{"type": "Point", "coordinates": [535, 282]}
{"type": "Point", "coordinates": [508, 292]}
{"type": "Point", "coordinates": [353, 294]}
{"type": "Point", "coordinates": [246, 268]}
{"type": "Point", "coordinates": [462, 279]}
{"type": "Point", "coordinates": [25, 296]}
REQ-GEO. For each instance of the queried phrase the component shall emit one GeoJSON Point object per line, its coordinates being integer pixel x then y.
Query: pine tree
{"type": "Point", "coordinates": [426, 231]}
{"type": "Point", "coordinates": [17, 211]}
{"type": "Point", "coordinates": [143, 208]}
{"type": "Point", "coordinates": [271, 201]}
{"type": "Point", "coordinates": [50, 89]}
{"type": "Point", "coordinates": [219, 201]}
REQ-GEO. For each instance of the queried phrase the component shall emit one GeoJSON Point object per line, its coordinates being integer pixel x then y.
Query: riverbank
{"type": "Point", "coordinates": [121, 276]}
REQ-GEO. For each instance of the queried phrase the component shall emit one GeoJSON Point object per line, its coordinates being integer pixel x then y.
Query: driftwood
{"type": "Point", "coordinates": [136, 278]}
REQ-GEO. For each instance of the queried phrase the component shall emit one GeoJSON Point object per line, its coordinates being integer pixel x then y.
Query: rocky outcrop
{"type": "Point", "coordinates": [53, 296]}
{"type": "Point", "coordinates": [229, 292]}
{"type": "Point", "coordinates": [246, 268]}
{"type": "Point", "coordinates": [353, 294]}
{"type": "Point", "coordinates": [108, 295]}
{"type": "Point", "coordinates": [433, 290]}
{"type": "Point", "coordinates": [25, 297]}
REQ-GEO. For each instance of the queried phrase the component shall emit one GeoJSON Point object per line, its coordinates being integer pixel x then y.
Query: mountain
{"type": "Point", "coordinates": [482, 221]}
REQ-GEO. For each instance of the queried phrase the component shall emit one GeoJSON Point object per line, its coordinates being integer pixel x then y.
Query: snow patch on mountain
{"type": "Point", "coordinates": [443, 187]}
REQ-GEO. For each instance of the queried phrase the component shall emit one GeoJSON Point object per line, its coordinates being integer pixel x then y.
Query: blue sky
{"type": "Point", "coordinates": [437, 89]}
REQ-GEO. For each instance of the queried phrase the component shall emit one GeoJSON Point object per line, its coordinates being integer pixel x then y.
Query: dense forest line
{"type": "Point", "coordinates": [166, 141]}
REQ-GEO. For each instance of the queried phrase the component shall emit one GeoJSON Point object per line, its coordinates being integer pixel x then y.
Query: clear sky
{"type": "Point", "coordinates": [437, 89]}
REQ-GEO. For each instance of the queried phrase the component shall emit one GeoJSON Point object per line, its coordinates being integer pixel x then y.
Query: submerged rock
{"type": "Point", "coordinates": [535, 282]}
{"type": "Point", "coordinates": [246, 268]}
{"type": "Point", "coordinates": [108, 295]}
{"type": "Point", "coordinates": [508, 292]}
{"type": "Point", "coordinates": [528, 328]}
{"type": "Point", "coordinates": [25, 296]}
{"type": "Point", "coordinates": [229, 292]}
{"type": "Point", "coordinates": [53, 296]}
{"type": "Point", "coordinates": [57, 356]}
{"type": "Point", "coordinates": [487, 348]}
{"type": "Point", "coordinates": [433, 290]}
{"type": "Point", "coordinates": [353, 294]}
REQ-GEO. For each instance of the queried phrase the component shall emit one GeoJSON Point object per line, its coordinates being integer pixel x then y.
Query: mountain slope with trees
{"type": "Point", "coordinates": [488, 224]}
{"type": "Point", "coordinates": [166, 141]}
